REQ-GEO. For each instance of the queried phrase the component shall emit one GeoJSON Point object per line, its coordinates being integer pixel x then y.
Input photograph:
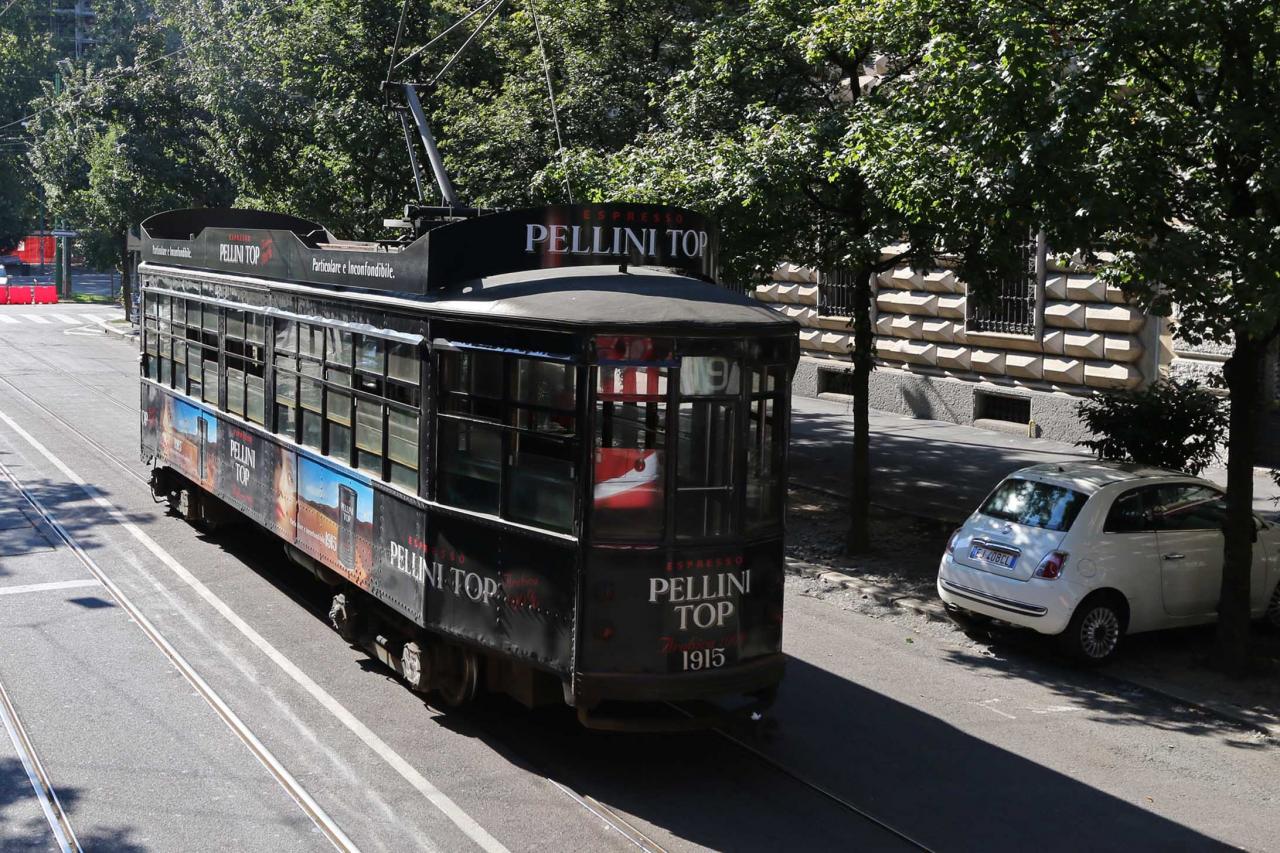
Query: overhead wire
{"type": "Point", "coordinates": [551, 96]}
{"type": "Point", "coordinates": [477, 10]}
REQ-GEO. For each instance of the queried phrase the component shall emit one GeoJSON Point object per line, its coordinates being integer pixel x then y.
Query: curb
{"type": "Point", "coordinates": [882, 595]}
{"type": "Point", "coordinates": [110, 328]}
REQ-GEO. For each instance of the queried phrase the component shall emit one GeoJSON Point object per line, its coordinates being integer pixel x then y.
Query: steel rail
{"type": "Point", "coordinates": [327, 826]}
{"type": "Point", "coordinates": [601, 812]}
{"type": "Point", "coordinates": [63, 834]}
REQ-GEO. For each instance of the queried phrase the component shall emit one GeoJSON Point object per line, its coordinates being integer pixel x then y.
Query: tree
{"type": "Point", "coordinates": [762, 130]}
{"type": "Point", "coordinates": [114, 145]}
{"type": "Point", "coordinates": [1146, 130]}
{"type": "Point", "coordinates": [24, 61]}
{"type": "Point", "coordinates": [1170, 424]}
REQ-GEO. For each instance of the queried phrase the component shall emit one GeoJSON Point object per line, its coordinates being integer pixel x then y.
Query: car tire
{"type": "Point", "coordinates": [1093, 635]}
{"type": "Point", "coordinates": [975, 626]}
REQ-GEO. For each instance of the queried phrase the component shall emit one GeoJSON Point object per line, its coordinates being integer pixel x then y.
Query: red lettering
{"type": "Point", "coordinates": [631, 216]}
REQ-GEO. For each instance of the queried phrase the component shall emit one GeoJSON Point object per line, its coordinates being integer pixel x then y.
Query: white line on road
{"type": "Point", "coordinates": [95, 318]}
{"type": "Point", "coordinates": [36, 318]}
{"type": "Point", "coordinates": [39, 780]}
{"type": "Point", "coordinates": [70, 321]}
{"type": "Point", "coordinates": [47, 587]}
{"type": "Point", "coordinates": [4, 319]}
{"type": "Point", "coordinates": [990, 706]}
{"type": "Point", "coordinates": [322, 820]}
{"type": "Point", "coordinates": [407, 771]}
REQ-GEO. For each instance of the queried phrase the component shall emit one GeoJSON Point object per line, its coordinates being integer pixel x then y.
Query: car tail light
{"type": "Point", "coordinates": [1051, 566]}
{"type": "Point", "coordinates": [951, 543]}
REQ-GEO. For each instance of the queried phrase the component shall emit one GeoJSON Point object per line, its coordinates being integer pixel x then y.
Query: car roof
{"type": "Point", "coordinates": [1091, 476]}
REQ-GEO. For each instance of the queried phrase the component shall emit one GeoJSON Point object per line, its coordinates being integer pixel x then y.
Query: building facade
{"type": "Point", "coordinates": [1021, 360]}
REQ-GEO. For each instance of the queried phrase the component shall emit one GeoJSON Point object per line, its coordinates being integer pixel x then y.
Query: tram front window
{"type": "Point", "coordinates": [630, 440]}
{"type": "Point", "coordinates": [709, 391]}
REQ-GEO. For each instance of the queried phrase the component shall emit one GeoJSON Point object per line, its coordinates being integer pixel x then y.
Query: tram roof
{"type": "Point", "coordinates": [603, 297]}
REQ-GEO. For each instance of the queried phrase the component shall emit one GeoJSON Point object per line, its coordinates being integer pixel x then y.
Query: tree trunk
{"type": "Point", "coordinates": [859, 538]}
{"type": "Point", "coordinates": [1243, 372]}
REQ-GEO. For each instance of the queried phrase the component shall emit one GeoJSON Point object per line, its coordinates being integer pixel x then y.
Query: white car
{"type": "Point", "coordinates": [1093, 551]}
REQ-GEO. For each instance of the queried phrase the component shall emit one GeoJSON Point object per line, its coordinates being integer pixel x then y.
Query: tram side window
{"type": "Point", "coordinates": [630, 452]}
{"type": "Point", "coordinates": [286, 377]}
{"type": "Point", "coordinates": [506, 438]}
{"type": "Point", "coordinates": [151, 336]}
{"type": "Point", "coordinates": [709, 388]}
{"type": "Point", "coordinates": [245, 342]}
{"type": "Point", "coordinates": [210, 334]}
{"type": "Point", "coordinates": [764, 449]}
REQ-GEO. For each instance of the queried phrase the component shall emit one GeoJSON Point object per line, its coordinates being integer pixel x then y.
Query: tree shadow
{"type": "Point", "coordinates": [945, 788]}
{"type": "Point", "coordinates": [30, 831]}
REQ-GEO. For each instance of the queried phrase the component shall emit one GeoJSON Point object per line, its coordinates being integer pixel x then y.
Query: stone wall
{"type": "Point", "coordinates": [1092, 338]}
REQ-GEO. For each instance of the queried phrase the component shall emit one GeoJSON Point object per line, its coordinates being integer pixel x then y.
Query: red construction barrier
{"type": "Point", "coordinates": [4, 295]}
{"type": "Point", "coordinates": [20, 294]}
{"type": "Point", "coordinates": [46, 294]}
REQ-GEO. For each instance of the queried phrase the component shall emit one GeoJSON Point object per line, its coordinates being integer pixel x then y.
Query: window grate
{"type": "Point", "coordinates": [1011, 308]}
{"type": "Point", "coordinates": [836, 295]}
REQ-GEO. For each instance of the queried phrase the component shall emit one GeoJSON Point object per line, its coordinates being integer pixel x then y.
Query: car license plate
{"type": "Point", "coordinates": [1003, 559]}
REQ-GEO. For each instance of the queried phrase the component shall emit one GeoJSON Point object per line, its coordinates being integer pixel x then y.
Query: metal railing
{"type": "Point", "coordinates": [835, 293]}
{"type": "Point", "coordinates": [1011, 308]}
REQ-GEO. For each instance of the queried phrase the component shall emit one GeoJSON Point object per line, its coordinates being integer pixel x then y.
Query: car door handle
{"type": "Point", "coordinates": [1175, 556]}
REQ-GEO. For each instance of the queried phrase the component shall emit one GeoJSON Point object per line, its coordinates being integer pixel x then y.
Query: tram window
{"type": "Point", "coordinates": [286, 336]}
{"type": "Point", "coordinates": [545, 396]}
{"type": "Point", "coordinates": [402, 363]}
{"type": "Point", "coordinates": [471, 383]}
{"type": "Point", "coordinates": [630, 453]}
{"type": "Point", "coordinates": [402, 446]}
{"type": "Point", "coordinates": [235, 387]}
{"type": "Point", "coordinates": [470, 467]}
{"type": "Point", "coordinates": [371, 357]}
{"type": "Point", "coordinates": [338, 414]}
{"type": "Point", "coordinates": [209, 370]}
{"type": "Point", "coordinates": [235, 324]}
{"type": "Point", "coordinates": [704, 471]}
{"type": "Point", "coordinates": [369, 436]}
{"type": "Point", "coordinates": [286, 401]}
{"type": "Point", "coordinates": [764, 490]}
{"type": "Point", "coordinates": [164, 371]}
{"type": "Point", "coordinates": [255, 329]}
{"type": "Point", "coordinates": [311, 340]}
{"type": "Point", "coordinates": [209, 315]}
{"type": "Point", "coordinates": [541, 481]}
{"type": "Point", "coordinates": [338, 347]}
{"type": "Point", "coordinates": [255, 397]}
{"type": "Point", "coordinates": [180, 364]}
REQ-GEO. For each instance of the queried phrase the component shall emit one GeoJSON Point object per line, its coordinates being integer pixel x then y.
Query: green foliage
{"type": "Point", "coordinates": [24, 61]}
{"type": "Point", "coordinates": [1174, 425]}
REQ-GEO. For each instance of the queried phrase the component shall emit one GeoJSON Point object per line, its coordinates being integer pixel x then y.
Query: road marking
{"type": "Point", "coordinates": [70, 321]}
{"type": "Point", "coordinates": [95, 318]}
{"type": "Point", "coordinates": [36, 776]}
{"type": "Point", "coordinates": [322, 820]}
{"type": "Point", "coordinates": [990, 706]}
{"type": "Point", "coordinates": [47, 587]}
{"type": "Point", "coordinates": [4, 319]}
{"type": "Point", "coordinates": [407, 771]}
{"type": "Point", "coordinates": [1056, 709]}
{"type": "Point", "coordinates": [36, 318]}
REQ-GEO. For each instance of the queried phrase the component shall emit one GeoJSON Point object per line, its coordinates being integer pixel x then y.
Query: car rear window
{"type": "Point", "coordinates": [1035, 504]}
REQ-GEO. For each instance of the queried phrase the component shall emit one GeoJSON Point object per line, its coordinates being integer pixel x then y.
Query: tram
{"type": "Point", "coordinates": [537, 452]}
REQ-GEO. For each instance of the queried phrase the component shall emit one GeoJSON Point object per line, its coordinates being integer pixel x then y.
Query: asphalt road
{"type": "Point", "coordinates": [913, 726]}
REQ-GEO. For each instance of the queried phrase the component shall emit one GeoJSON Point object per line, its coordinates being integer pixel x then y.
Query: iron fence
{"type": "Point", "coordinates": [836, 293]}
{"type": "Point", "coordinates": [1010, 309]}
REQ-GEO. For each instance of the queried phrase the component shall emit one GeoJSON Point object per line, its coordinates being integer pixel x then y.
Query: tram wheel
{"type": "Point", "coordinates": [344, 618]}
{"type": "Point", "coordinates": [414, 666]}
{"type": "Point", "coordinates": [456, 675]}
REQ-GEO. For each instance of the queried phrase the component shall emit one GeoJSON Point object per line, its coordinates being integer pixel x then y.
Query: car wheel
{"type": "Point", "coordinates": [974, 625]}
{"type": "Point", "coordinates": [1094, 632]}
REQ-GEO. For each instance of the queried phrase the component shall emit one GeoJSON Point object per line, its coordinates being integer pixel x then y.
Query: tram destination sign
{"type": "Point", "coordinates": [447, 256]}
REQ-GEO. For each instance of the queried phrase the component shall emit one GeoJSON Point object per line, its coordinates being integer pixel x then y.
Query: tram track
{"type": "Point", "coordinates": [609, 817]}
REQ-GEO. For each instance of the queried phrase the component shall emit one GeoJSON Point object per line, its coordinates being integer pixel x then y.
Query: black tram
{"type": "Point", "coordinates": [537, 452]}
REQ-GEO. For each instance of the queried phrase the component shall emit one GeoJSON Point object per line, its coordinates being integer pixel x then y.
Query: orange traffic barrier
{"type": "Point", "coordinates": [20, 294]}
{"type": "Point", "coordinates": [46, 294]}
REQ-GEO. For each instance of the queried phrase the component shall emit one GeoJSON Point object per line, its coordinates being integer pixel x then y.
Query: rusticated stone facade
{"type": "Point", "coordinates": [931, 364]}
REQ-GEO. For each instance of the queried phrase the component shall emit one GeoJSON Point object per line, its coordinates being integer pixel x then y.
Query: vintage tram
{"type": "Point", "coordinates": [538, 451]}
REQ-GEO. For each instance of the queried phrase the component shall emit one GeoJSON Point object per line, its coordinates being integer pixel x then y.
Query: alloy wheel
{"type": "Point", "coordinates": [1100, 632]}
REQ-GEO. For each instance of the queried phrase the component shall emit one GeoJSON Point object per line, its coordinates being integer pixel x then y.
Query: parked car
{"type": "Point", "coordinates": [1091, 552]}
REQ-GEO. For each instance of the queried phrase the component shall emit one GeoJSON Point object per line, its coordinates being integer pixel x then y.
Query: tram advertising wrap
{"type": "Point", "coordinates": [445, 578]}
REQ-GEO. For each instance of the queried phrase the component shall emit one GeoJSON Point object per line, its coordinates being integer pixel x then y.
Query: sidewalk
{"type": "Point", "coordinates": [927, 477]}
{"type": "Point", "coordinates": [932, 468]}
